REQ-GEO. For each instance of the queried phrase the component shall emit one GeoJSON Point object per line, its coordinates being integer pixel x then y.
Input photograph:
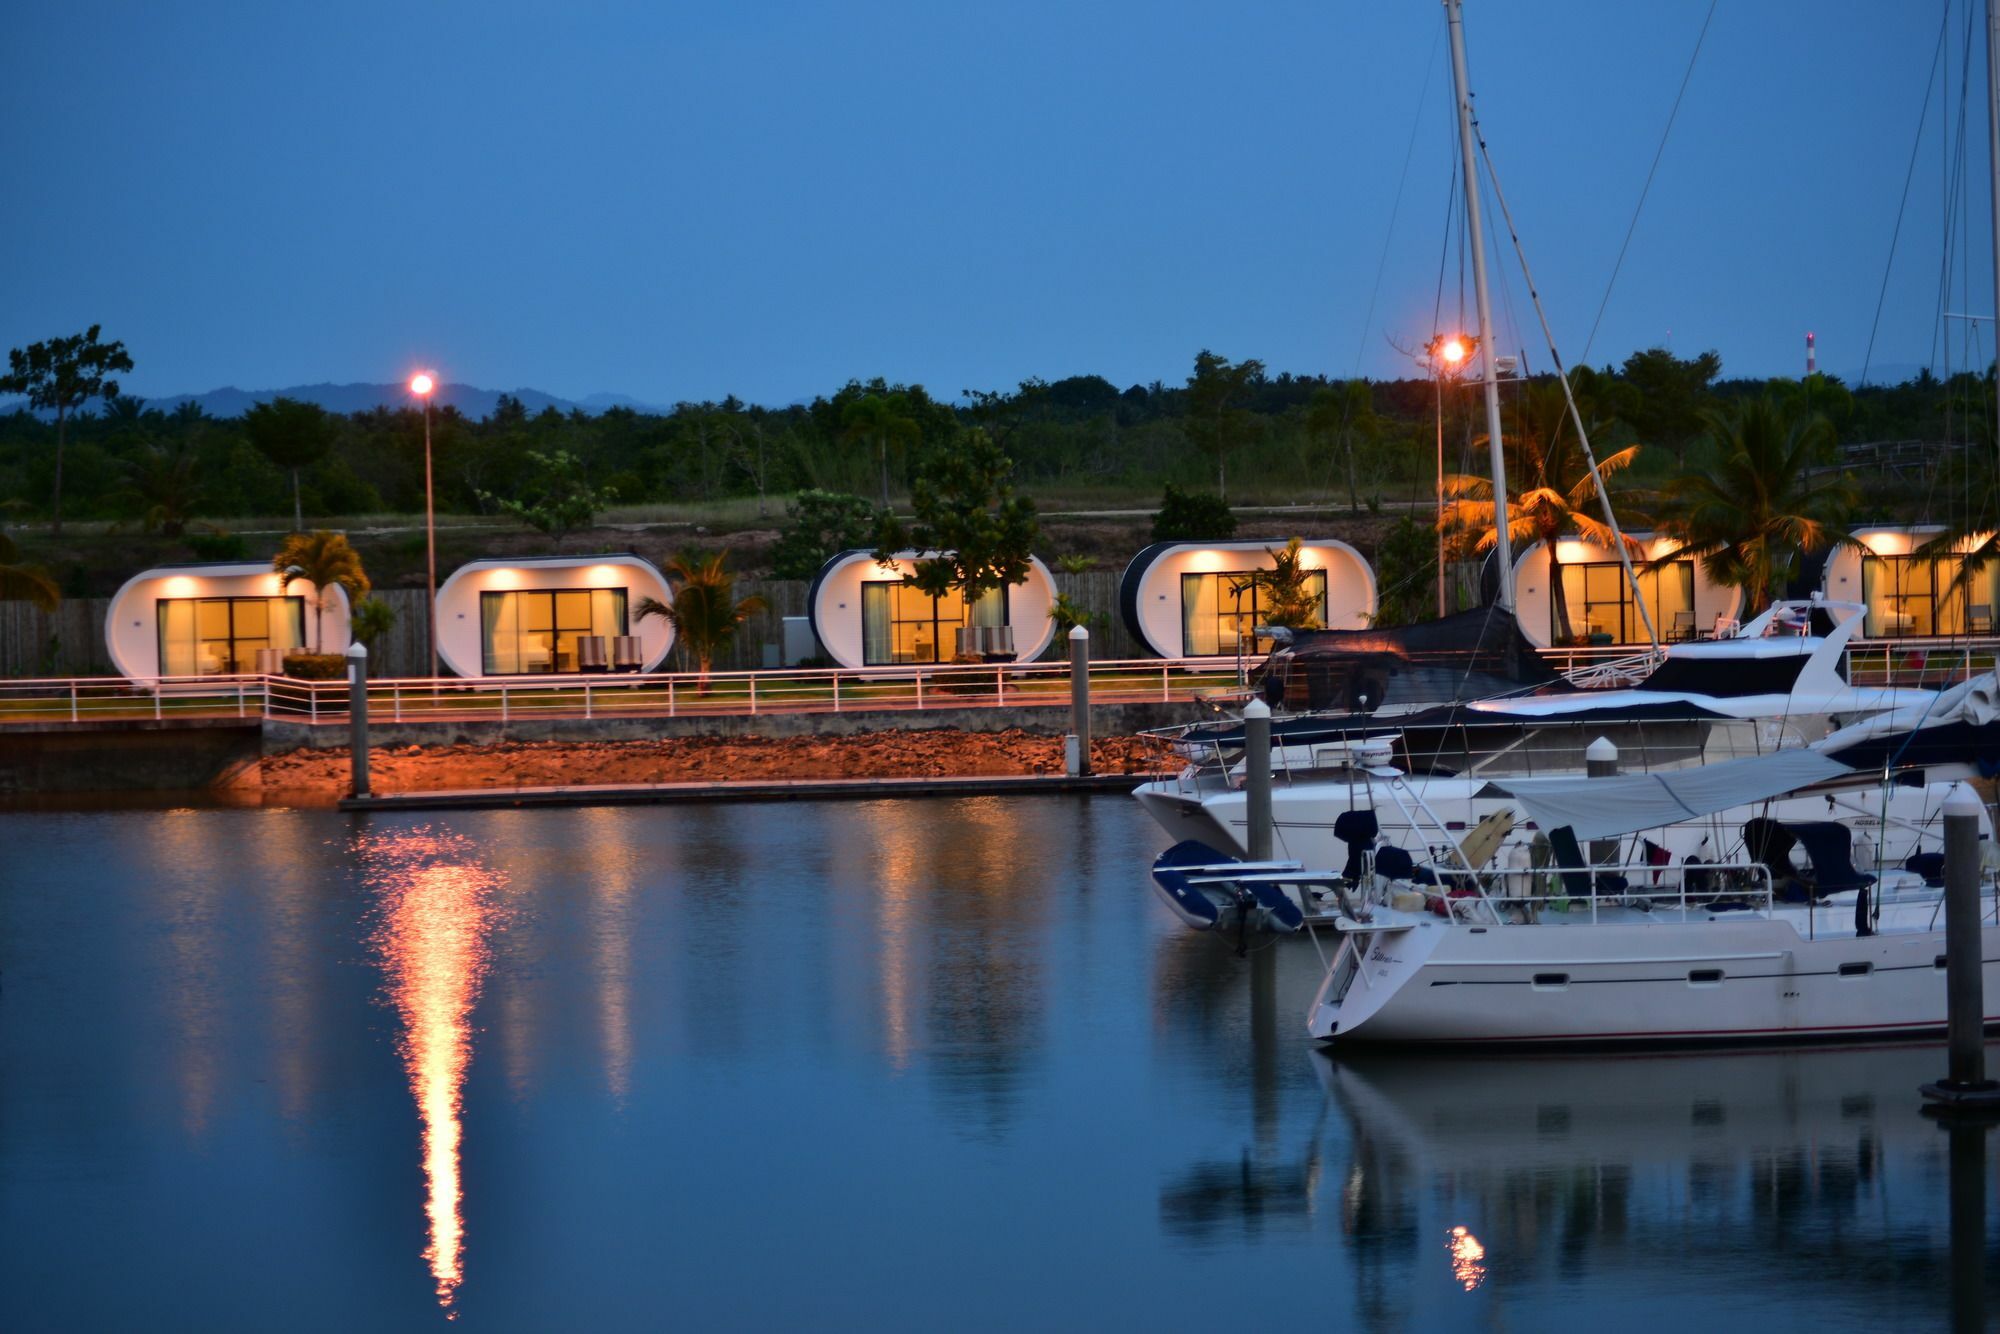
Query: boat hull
{"type": "Point", "coordinates": [1757, 979]}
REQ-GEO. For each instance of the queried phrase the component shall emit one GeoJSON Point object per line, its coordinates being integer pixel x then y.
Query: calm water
{"type": "Point", "coordinates": [907, 1065]}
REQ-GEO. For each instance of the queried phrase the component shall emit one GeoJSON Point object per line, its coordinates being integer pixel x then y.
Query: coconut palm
{"type": "Point", "coordinates": [1289, 597]}
{"type": "Point", "coordinates": [1553, 495]}
{"type": "Point", "coordinates": [1972, 533]}
{"type": "Point", "coordinates": [1756, 496]}
{"type": "Point", "coordinates": [325, 560]}
{"type": "Point", "coordinates": [24, 583]}
{"type": "Point", "coordinates": [705, 613]}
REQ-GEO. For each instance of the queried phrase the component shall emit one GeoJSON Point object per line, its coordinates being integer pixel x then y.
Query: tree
{"type": "Point", "coordinates": [162, 485]}
{"type": "Point", "coordinates": [1757, 496]}
{"type": "Point", "coordinates": [818, 525]}
{"type": "Point", "coordinates": [1670, 396]}
{"type": "Point", "coordinates": [370, 620]}
{"type": "Point", "coordinates": [62, 375]}
{"type": "Point", "coordinates": [1288, 596]}
{"type": "Point", "coordinates": [1405, 573]}
{"type": "Point", "coordinates": [1068, 613]}
{"type": "Point", "coordinates": [1553, 494]}
{"type": "Point", "coordinates": [976, 533]}
{"type": "Point", "coordinates": [324, 560]}
{"type": "Point", "coordinates": [25, 583]}
{"type": "Point", "coordinates": [1192, 517]}
{"type": "Point", "coordinates": [1215, 419]}
{"type": "Point", "coordinates": [293, 435]}
{"type": "Point", "coordinates": [705, 612]}
{"type": "Point", "coordinates": [560, 498]}
{"type": "Point", "coordinates": [1344, 414]}
{"type": "Point", "coordinates": [883, 421]}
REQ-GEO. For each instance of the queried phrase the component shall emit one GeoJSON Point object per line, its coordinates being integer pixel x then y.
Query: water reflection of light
{"type": "Point", "coordinates": [612, 877]}
{"type": "Point", "coordinates": [1468, 1258]}
{"type": "Point", "coordinates": [436, 907]}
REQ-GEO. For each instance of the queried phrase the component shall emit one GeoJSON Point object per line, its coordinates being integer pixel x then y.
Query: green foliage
{"type": "Point", "coordinates": [162, 487]}
{"type": "Point", "coordinates": [316, 666]}
{"type": "Point", "coordinates": [370, 620]}
{"type": "Point", "coordinates": [1758, 496]}
{"type": "Point", "coordinates": [324, 560]}
{"type": "Point", "coordinates": [818, 525]}
{"type": "Point", "coordinates": [1343, 417]}
{"type": "Point", "coordinates": [1218, 421]}
{"type": "Point", "coordinates": [978, 534]}
{"type": "Point", "coordinates": [1406, 574]}
{"type": "Point", "coordinates": [705, 612]}
{"type": "Point", "coordinates": [559, 498]}
{"type": "Point", "coordinates": [1068, 613]}
{"type": "Point", "coordinates": [20, 582]}
{"type": "Point", "coordinates": [1075, 564]}
{"type": "Point", "coordinates": [1192, 517]}
{"type": "Point", "coordinates": [61, 375]}
{"type": "Point", "coordinates": [218, 545]}
{"type": "Point", "coordinates": [1288, 598]}
{"type": "Point", "coordinates": [292, 435]}
{"type": "Point", "coordinates": [1669, 394]}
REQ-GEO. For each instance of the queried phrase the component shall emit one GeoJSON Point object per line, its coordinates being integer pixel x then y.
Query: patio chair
{"type": "Point", "coordinates": [1682, 629]}
{"type": "Point", "coordinates": [1979, 619]}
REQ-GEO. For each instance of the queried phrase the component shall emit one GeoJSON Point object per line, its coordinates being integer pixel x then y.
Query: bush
{"type": "Point", "coordinates": [316, 666]}
{"type": "Point", "coordinates": [1197, 516]}
{"type": "Point", "coordinates": [818, 525]}
{"type": "Point", "coordinates": [217, 546]}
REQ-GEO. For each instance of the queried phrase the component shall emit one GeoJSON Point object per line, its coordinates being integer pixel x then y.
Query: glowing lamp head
{"type": "Point", "coordinates": [1453, 350]}
{"type": "Point", "coordinates": [422, 383]}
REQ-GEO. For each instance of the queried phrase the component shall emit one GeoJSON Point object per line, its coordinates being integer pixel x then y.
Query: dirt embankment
{"type": "Point", "coordinates": [938, 753]}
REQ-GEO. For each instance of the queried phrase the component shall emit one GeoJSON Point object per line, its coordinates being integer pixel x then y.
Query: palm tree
{"type": "Point", "coordinates": [705, 612]}
{"type": "Point", "coordinates": [293, 435]}
{"type": "Point", "coordinates": [25, 583]}
{"type": "Point", "coordinates": [324, 560]}
{"type": "Point", "coordinates": [1287, 588]}
{"type": "Point", "coordinates": [1755, 496]}
{"type": "Point", "coordinates": [1972, 535]}
{"type": "Point", "coordinates": [161, 483]}
{"type": "Point", "coordinates": [1553, 496]}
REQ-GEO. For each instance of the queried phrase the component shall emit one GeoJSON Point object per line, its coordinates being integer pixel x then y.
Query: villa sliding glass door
{"type": "Point", "coordinates": [902, 623]}
{"type": "Point", "coordinates": [221, 636]}
{"type": "Point", "coordinates": [535, 630]}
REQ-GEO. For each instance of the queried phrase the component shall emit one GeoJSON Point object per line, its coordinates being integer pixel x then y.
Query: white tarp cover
{"type": "Point", "coordinates": [1628, 803]}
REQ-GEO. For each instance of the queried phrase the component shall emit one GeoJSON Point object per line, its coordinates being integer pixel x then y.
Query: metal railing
{"type": "Point", "coordinates": [593, 696]}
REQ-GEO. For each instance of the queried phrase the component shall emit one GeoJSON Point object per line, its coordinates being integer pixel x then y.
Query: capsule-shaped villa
{"type": "Point", "coordinates": [1597, 606]}
{"type": "Point", "coordinates": [1908, 595]}
{"type": "Point", "coordinates": [1199, 599]}
{"type": "Point", "coordinates": [531, 615]}
{"type": "Point", "coordinates": [867, 614]}
{"type": "Point", "coordinates": [219, 619]}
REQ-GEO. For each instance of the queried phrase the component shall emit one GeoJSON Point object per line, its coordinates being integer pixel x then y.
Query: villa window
{"type": "Point", "coordinates": [901, 623]}
{"type": "Point", "coordinates": [221, 636]}
{"type": "Point", "coordinates": [1913, 595]}
{"type": "Point", "coordinates": [536, 629]}
{"type": "Point", "coordinates": [1218, 608]}
{"type": "Point", "coordinates": [1601, 606]}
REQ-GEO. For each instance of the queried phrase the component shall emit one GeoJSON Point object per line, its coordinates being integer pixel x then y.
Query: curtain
{"type": "Point", "coordinates": [876, 638]}
{"type": "Point", "coordinates": [499, 655]}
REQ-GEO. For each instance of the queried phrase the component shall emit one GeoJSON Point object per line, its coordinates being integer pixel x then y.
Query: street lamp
{"type": "Point", "coordinates": [1448, 354]}
{"type": "Point", "coordinates": [423, 384]}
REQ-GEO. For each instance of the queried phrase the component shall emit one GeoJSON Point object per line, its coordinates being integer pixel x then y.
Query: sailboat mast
{"type": "Point", "coordinates": [1993, 150]}
{"type": "Point", "coordinates": [1475, 236]}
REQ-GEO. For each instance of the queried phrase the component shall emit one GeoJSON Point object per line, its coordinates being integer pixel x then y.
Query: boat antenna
{"type": "Point", "coordinates": [1475, 237]}
{"type": "Point", "coordinates": [1569, 397]}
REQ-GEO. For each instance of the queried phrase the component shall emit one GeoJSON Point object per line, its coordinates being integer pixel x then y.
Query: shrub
{"type": "Point", "coordinates": [818, 525]}
{"type": "Point", "coordinates": [1195, 516]}
{"type": "Point", "coordinates": [217, 545]}
{"type": "Point", "coordinates": [316, 666]}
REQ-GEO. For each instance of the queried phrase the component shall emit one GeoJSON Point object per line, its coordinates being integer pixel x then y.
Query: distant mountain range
{"type": "Point", "coordinates": [468, 399]}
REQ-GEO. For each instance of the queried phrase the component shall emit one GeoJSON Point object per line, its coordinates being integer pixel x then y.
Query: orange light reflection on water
{"type": "Point", "coordinates": [1468, 1258]}
{"type": "Point", "coordinates": [437, 908]}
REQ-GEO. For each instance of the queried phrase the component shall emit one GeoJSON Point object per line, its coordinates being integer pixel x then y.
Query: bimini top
{"type": "Point", "coordinates": [515, 615]}
{"type": "Point", "coordinates": [1189, 599]}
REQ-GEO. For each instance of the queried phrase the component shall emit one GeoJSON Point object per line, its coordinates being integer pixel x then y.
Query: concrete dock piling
{"type": "Point", "coordinates": [357, 720]}
{"type": "Point", "coordinates": [1257, 777]}
{"type": "Point", "coordinates": [1076, 746]}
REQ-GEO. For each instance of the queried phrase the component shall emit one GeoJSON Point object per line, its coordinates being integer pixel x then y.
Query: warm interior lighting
{"type": "Point", "coordinates": [422, 383]}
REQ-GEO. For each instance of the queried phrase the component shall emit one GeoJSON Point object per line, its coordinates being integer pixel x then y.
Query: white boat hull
{"type": "Point", "coordinates": [1726, 979]}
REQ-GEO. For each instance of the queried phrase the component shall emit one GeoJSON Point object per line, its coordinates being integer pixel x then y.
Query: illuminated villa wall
{"type": "Point", "coordinates": [209, 620]}
{"type": "Point", "coordinates": [1192, 599]}
{"type": "Point", "coordinates": [1684, 603]}
{"type": "Point", "coordinates": [522, 615]}
{"type": "Point", "coordinates": [1907, 595]}
{"type": "Point", "coordinates": [866, 616]}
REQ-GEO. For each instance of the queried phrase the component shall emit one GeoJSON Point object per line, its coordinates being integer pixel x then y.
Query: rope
{"type": "Point", "coordinates": [1909, 174]}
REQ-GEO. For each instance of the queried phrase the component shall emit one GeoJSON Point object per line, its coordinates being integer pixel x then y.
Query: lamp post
{"type": "Point", "coordinates": [1447, 354]}
{"type": "Point", "coordinates": [423, 384]}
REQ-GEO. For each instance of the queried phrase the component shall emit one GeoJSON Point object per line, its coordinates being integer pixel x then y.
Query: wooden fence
{"type": "Point", "coordinates": [70, 642]}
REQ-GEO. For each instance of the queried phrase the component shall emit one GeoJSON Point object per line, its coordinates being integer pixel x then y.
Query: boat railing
{"type": "Point", "coordinates": [1492, 892]}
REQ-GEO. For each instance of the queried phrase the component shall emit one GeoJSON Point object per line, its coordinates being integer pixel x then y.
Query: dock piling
{"type": "Point", "coordinates": [1965, 1084]}
{"type": "Point", "coordinates": [1076, 746]}
{"type": "Point", "coordinates": [1257, 777]}
{"type": "Point", "coordinates": [357, 720]}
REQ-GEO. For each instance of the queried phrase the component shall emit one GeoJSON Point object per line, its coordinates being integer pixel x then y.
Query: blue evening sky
{"type": "Point", "coordinates": [684, 201]}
